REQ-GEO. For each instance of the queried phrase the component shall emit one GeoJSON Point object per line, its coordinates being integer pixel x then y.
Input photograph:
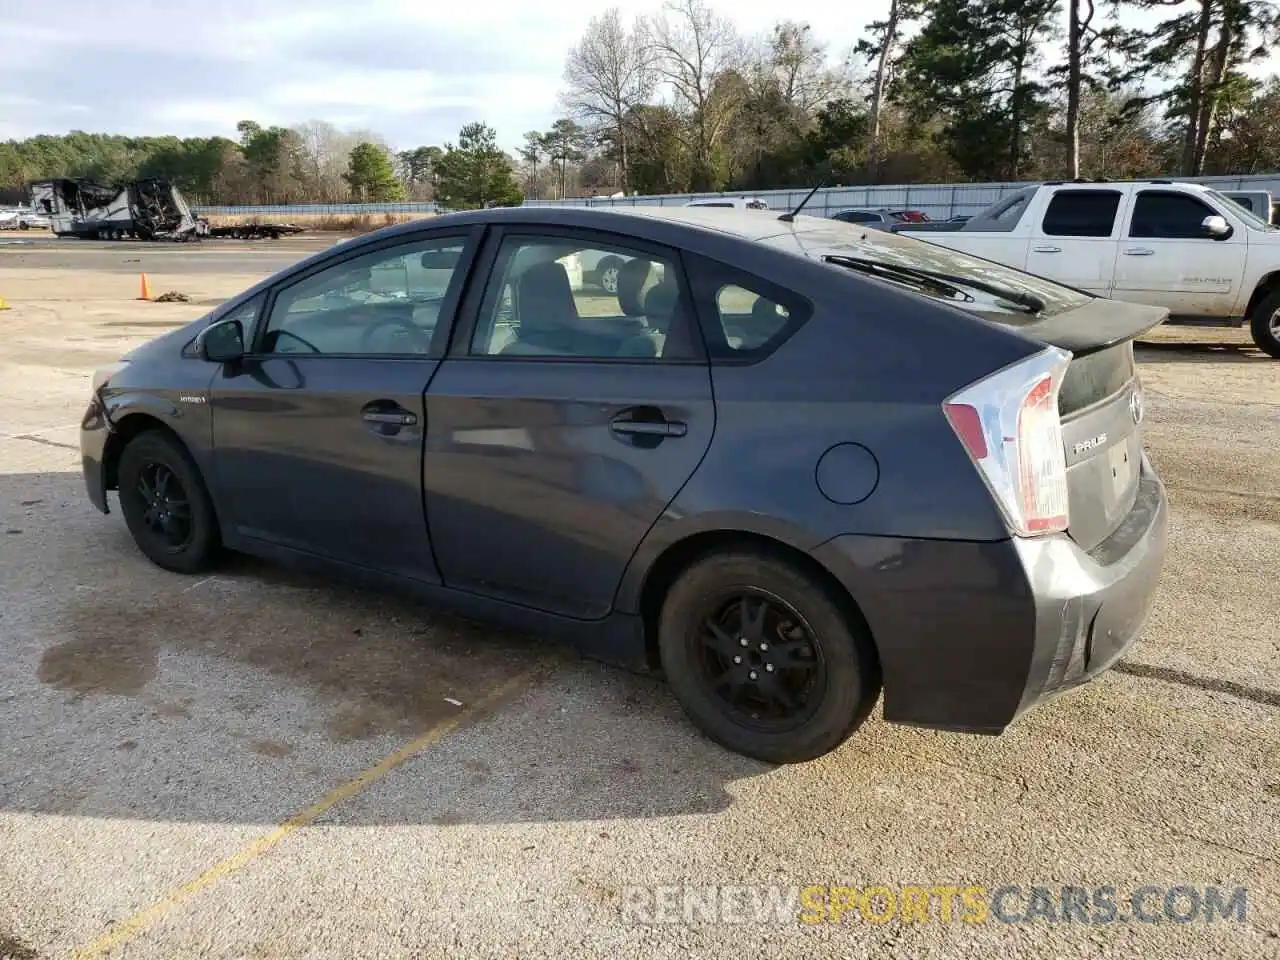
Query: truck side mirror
{"type": "Point", "coordinates": [221, 342]}
{"type": "Point", "coordinates": [1216, 227]}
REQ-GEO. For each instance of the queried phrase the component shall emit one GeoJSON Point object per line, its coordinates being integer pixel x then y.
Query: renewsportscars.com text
{"type": "Point", "coordinates": [939, 903]}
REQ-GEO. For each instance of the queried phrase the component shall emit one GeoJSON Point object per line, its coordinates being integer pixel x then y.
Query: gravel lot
{"type": "Point", "coordinates": [260, 764]}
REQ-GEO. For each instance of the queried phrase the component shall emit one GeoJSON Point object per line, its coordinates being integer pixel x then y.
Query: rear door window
{"type": "Point", "coordinates": [1082, 213]}
{"type": "Point", "coordinates": [538, 304]}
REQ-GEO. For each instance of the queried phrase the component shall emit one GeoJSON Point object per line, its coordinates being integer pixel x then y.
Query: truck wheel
{"type": "Point", "coordinates": [1264, 324]}
{"type": "Point", "coordinates": [764, 660]}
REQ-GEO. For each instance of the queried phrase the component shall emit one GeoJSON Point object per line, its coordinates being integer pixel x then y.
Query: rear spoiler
{"type": "Point", "coordinates": [1097, 325]}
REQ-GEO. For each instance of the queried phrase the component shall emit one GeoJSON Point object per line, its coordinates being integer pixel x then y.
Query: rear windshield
{"type": "Point", "coordinates": [833, 238]}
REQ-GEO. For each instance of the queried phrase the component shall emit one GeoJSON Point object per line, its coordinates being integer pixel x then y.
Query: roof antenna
{"type": "Point", "coordinates": [789, 217]}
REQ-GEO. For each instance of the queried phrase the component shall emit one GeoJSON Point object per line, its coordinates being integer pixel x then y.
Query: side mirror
{"type": "Point", "coordinates": [1216, 227]}
{"type": "Point", "coordinates": [221, 342]}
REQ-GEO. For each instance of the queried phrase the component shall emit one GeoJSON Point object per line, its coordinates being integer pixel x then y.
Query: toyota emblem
{"type": "Point", "coordinates": [1135, 406]}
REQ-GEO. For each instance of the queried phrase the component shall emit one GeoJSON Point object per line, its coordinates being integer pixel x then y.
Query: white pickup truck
{"type": "Point", "coordinates": [1182, 246]}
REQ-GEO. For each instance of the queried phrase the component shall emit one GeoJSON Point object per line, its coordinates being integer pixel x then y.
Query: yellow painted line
{"type": "Point", "coordinates": [141, 921]}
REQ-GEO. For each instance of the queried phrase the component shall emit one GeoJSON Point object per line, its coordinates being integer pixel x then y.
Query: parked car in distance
{"type": "Point", "coordinates": [1257, 202]}
{"type": "Point", "coordinates": [880, 219]}
{"type": "Point", "coordinates": [23, 218]}
{"type": "Point", "coordinates": [876, 219]}
{"type": "Point", "coordinates": [735, 471]}
{"type": "Point", "coordinates": [1181, 246]}
{"type": "Point", "coordinates": [736, 203]}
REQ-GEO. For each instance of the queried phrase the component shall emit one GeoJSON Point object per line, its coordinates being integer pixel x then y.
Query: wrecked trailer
{"type": "Point", "coordinates": [147, 209]}
{"type": "Point", "coordinates": [255, 231]}
{"type": "Point", "coordinates": [143, 209]}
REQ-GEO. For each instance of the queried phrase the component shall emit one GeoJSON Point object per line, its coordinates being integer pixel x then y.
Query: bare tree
{"type": "Point", "coordinates": [326, 151]}
{"type": "Point", "coordinates": [694, 49]}
{"type": "Point", "coordinates": [882, 47]}
{"type": "Point", "coordinates": [1080, 36]}
{"type": "Point", "coordinates": [805, 78]}
{"type": "Point", "coordinates": [607, 75]}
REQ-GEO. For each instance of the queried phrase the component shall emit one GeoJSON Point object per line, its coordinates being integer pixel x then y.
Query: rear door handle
{"type": "Point", "coordinates": [1139, 252]}
{"type": "Point", "coordinates": [650, 428]}
{"type": "Point", "coordinates": [1046, 249]}
{"type": "Point", "coordinates": [399, 418]}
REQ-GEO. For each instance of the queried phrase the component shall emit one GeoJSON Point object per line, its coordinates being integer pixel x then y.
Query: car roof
{"type": "Point", "coordinates": [731, 221]}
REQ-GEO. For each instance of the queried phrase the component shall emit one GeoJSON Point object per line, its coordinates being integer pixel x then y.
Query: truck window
{"type": "Point", "coordinates": [1170, 216]}
{"type": "Point", "coordinates": [1081, 213]}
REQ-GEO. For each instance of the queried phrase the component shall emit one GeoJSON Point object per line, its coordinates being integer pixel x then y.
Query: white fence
{"type": "Point", "coordinates": [939, 201]}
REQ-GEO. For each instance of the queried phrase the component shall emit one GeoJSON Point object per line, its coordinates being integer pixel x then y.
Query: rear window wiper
{"type": "Point", "coordinates": [1029, 302]}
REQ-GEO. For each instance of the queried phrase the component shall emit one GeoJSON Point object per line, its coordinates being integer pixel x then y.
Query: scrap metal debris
{"type": "Point", "coordinates": [173, 296]}
{"type": "Point", "coordinates": [149, 209]}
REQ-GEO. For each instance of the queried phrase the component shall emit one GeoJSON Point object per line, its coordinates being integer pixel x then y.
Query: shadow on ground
{"type": "Point", "coordinates": [243, 696]}
{"type": "Point", "coordinates": [1193, 351]}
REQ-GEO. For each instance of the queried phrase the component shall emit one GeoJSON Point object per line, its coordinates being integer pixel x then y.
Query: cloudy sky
{"type": "Point", "coordinates": [411, 70]}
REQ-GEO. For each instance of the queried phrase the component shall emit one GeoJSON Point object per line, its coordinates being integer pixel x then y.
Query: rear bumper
{"type": "Point", "coordinates": [94, 431]}
{"type": "Point", "coordinates": [971, 635]}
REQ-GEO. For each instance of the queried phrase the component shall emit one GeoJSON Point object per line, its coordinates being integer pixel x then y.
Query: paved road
{"type": "Point", "coordinates": [260, 764]}
{"type": "Point", "coordinates": [209, 257]}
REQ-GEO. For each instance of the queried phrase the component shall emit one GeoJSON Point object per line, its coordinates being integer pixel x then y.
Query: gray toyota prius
{"type": "Point", "coordinates": [787, 462]}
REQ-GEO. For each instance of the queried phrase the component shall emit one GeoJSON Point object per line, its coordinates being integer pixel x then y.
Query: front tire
{"type": "Point", "coordinates": [166, 504]}
{"type": "Point", "coordinates": [764, 659]}
{"type": "Point", "coordinates": [1264, 325]}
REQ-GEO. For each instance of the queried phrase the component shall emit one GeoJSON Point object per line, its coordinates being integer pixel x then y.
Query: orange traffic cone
{"type": "Point", "coordinates": [145, 293]}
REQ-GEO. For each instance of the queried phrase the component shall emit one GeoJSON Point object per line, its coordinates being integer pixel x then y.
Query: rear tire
{"type": "Point", "coordinates": [1264, 325]}
{"type": "Point", "coordinates": [607, 274]}
{"type": "Point", "coordinates": [166, 504]}
{"type": "Point", "coordinates": [805, 675]}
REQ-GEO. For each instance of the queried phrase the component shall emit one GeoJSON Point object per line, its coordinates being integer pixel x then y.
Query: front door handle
{"type": "Point", "coordinates": [1139, 252]}
{"type": "Point", "coordinates": [1046, 249]}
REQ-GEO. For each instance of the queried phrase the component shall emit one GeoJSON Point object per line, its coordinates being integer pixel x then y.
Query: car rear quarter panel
{"type": "Point", "coordinates": [872, 366]}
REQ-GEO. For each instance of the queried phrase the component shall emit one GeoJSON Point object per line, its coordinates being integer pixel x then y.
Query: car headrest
{"type": "Point", "coordinates": [546, 298]}
{"type": "Point", "coordinates": [635, 279]}
{"type": "Point", "coordinates": [661, 303]}
{"type": "Point", "coordinates": [764, 312]}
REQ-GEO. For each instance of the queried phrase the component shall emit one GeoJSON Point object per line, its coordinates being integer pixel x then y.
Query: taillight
{"type": "Point", "coordinates": [1009, 424]}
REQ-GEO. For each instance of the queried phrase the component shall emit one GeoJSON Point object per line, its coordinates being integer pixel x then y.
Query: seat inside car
{"type": "Point", "coordinates": [548, 313]}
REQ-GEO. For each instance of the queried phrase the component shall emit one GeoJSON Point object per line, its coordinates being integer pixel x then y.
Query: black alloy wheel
{"type": "Point", "coordinates": [761, 659]}
{"type": "Point", "coordinates": [166, 511]}
{"type": "Point", "coordinates": [766, 658]}
{"type": "Point", "coordinates": [165, 503]}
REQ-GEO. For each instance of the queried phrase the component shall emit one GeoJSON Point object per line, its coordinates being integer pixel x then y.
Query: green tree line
{"type": "Point", "coordinates": [679, 100]}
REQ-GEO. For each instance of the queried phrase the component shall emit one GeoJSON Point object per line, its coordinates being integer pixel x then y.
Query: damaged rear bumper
{"type": "Point", "coordinates": [971, 635]}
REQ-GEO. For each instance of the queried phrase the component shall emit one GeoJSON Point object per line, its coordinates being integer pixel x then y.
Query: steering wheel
{"type": "Point", "coordinates": [419, 340]}
{"type": "Point", "coordinates": [293, 336]}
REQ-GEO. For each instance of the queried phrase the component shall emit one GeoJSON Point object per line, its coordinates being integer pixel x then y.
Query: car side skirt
{"type": "Point", "coordinates": [617, 639]}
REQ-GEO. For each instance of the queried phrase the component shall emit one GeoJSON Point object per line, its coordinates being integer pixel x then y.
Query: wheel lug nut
{"type": "Point", "coordinates": [742, 641]}
{"type": "Point", "coordinates": [737, 659]}
{"type": "Point", "coordinates": [768, 668]}
{"type": "Point", "coordinates": [764, 646]}
{"type": "Point", "coordinates": [754, 675]}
